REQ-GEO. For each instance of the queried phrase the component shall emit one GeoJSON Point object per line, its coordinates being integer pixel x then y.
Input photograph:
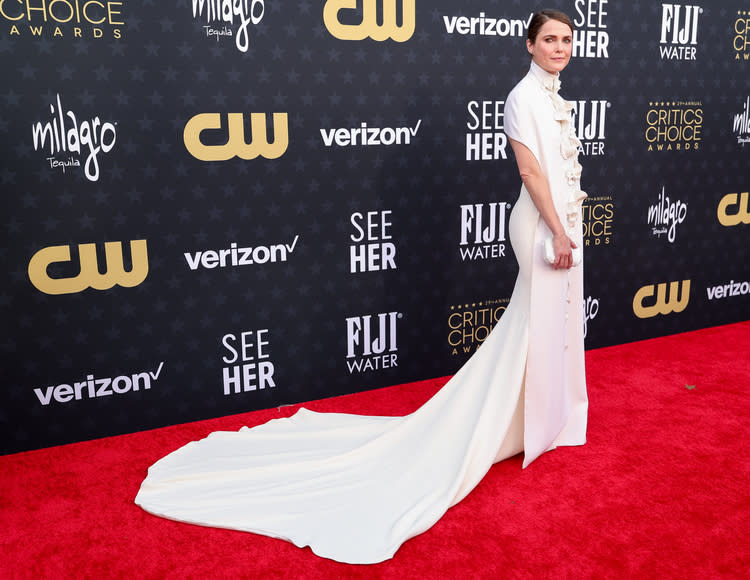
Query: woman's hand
{"type": "Point", "coordinates": [563, 252]}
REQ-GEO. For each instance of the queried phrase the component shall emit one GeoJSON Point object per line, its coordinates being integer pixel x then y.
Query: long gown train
{"type": "Point", "coordinates": [355, 487]}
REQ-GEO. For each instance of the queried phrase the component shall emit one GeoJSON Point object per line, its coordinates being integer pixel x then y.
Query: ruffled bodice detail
{"type": "Point", "coordinates": [569, 142]}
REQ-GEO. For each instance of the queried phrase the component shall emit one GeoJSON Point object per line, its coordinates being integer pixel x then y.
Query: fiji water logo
{"type": "Point", "coordinates": [664, 216]}
{"type": "Point", "coordinates": [483, 228]}
{"type": "Point", "coordinates": [372, 342]}
{"type": "Point", "coordinates": [590, 120]}
{"type": "Point", "coordinates": [221, 15]}
{"type": "Point", "coordinates": [67, 139]}
{"type": "Point", "coordinates": [679, 31]}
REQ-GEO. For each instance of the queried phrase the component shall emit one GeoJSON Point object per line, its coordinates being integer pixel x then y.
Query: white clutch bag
{"type": "Point", "coordinates": [549, 253]}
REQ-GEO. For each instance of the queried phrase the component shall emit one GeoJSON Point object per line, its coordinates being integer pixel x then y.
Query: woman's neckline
{"type": "Point", "coordinates": [548, 80]}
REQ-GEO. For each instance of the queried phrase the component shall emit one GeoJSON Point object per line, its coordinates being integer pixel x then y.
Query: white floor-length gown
{"type": "Point", "coordinates": [353, 487]}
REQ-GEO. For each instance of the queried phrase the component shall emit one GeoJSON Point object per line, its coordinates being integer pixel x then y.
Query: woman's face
{"type": "Point", "coordinates": [552, 47]}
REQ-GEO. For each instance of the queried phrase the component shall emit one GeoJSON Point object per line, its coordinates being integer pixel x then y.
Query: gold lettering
{"type": "Point", "coordinates": [741, 216]}
{"type": "Point", "coordinates": [86, 12]}
{"type": "Point", "coordinates": [236, 146]}
{"type": "Point", "coordinates": [369, 26]}
{"type": "Point", "coordinates": [89, 275]}
{"type": "Point", "coordinates": [5, 14]}
{"type": "Point", "coordinates": [665, 303]}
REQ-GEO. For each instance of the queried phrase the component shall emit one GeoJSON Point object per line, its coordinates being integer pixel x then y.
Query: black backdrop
{"type": "Point", "coordinates": [211, 209]}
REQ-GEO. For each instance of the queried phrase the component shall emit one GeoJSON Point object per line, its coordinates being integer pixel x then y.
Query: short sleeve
{"type": "Point", "coordinates": [520, 122]}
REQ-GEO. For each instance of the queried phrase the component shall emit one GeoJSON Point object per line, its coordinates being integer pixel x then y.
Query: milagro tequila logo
{"type": "Point", "coordinates": [741, 126]}
{"type": "Point", "coordinates": [590, 38]}
{"type": "Point", "coordinates": [63, 18]}
{"type": "Point", "coordinates": [67, 139]}
{"type": "Point", "coordinates": [590, 121]}
{"type": "Point", "coordinates": [221, 15]}
{"type": "Point", "coordinates": [590, 311]}
{"type": "Point", "coordinates": [679, 31]}
{"type": "Point", "coordinates": [664, 216]}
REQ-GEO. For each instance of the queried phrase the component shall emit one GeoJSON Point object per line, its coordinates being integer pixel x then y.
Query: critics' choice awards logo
{"type": "Point", "coordinates": [741, 41]}
{"type": "Point", "coordinates": [597, 218]}
{"type": "Point", "coordinates": [664, 298]}
{"type": "Point", "coordinates": [674, 126]}
{"type": "Point", "coordinates": [67, 139]}
{"type": "Point", "coordinates": [372, 342]}
{"type": "Point", "coordinates": [207, 140]}
{"type": "Point", "coordinates": [728, 290]}
{"type": "Point", "coordinates": [590, 38]}
{"type": "Point", "coordinates": [90, 272]}
{"type": "Point", "coordinates": [487, 140]}
{"type": "Point", "coordinates": [247, 359]}
{"type": "Point", "coordinates": [590, 122]}
{"type": "Point", "coordinates": [590, 311]}
{"type": "Point", "coordinates": [221, 15]}
{"type": "Point", "coordinates": [483, 230]}
{"type": "Point", "coordinates": [734, 209]}
{"type": "Point", "coordinates": [679, 31]}
{"type": "Point", "coordinates": [372, 249]}
{"type": "Point", "coordinates": [483, 25]}
{"type": "Point", "coordinates": [93, 388]}
{"type": "Point", "coordinates": [741, 125]}
{"type": "Point", "coordinates": [63, 18]}
{"type": "Point", "coordinates": [369, 136]}
{"type": "Point", "coordinates": [664, 216]}
{"type": "Point", "coordinates": [235, 255]}
{"type": "Point", "coordinates": [375, 19]}
{"type": "Point", "coordinates": [469, 325]}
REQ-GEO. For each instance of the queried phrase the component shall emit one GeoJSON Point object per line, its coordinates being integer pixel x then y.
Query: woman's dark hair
{"type": "Point", "coordinates": [538, 20]}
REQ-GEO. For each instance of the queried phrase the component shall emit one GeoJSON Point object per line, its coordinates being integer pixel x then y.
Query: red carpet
{"type": "Point", "coordinates": [660, 490]}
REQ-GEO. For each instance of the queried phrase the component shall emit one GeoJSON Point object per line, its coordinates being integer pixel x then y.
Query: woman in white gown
{"type": "Point", "coordinates": [353, 487]}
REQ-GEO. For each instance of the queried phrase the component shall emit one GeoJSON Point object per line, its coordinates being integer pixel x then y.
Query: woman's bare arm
{"type": "Point", "coordinates": [538, 187]}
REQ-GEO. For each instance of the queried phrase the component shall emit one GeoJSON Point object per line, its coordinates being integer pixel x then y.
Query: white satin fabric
{"type": "Point", "coordinates": [354, 488]}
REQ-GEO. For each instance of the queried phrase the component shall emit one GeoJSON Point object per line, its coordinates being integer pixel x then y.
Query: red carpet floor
{"type": "Point", "coordinates": [661, 490]}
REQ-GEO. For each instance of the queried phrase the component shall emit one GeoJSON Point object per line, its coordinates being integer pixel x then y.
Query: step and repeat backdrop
{"type": "Point", "coordinates": [211, 207]}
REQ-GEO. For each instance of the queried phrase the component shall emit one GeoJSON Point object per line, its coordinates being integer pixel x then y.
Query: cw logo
{"type": "Point", "coordinates": [369, 25]}
{"type": "Point", "coordinates": [741, 215]}
{"type": "Point", "coordinates": [235, 145]}
{"type": "Point", "coordinates": [90, 275]}
{"type": "Point", "coordinates": [665, 302]}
